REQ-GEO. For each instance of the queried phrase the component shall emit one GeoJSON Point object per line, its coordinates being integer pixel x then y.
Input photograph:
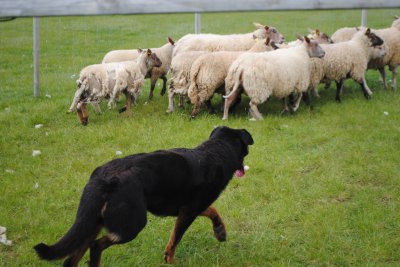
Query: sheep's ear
{"type": "Point", "coordinates": [368, 31]}
{"type": "Point", "coordinates": [267, 41]}
{"type": "Point", "coordinates": [310, 30]}
{"type": "Point", "coordinates": [139, 50]}
{"type": "Point", "coordinates": [258, 25]}
{"type": "Point", "coordinates": [170, 40]}
{"type": "Point", "coordinates": [266, 27]}
{"type": "Point", "coordinates": [317, 32]}
{"type": "Point", "coordinates": [298, 36]}
{"type": "Point", "coordinates": [149, 52]}
{"type": "Point", "coordinates": [396, 17]}
{"type": "Point", "coordinates": [307, 39]}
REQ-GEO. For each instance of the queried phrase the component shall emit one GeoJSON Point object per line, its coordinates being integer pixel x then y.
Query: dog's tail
{"type": "Point", "coordinates": [85, 228]}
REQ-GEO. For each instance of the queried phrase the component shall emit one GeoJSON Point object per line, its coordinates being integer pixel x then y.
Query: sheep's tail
{"type": "Point", "coordinates": [82, 84]}
{"type": "Point", "coordinates": [233, 80]}
{"type": "Point", "coordinates": [193, 88]}
{"type": "Point", "coordinates": [84, 230]}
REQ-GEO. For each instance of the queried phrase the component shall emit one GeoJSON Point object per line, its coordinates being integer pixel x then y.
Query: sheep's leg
{"type": "Point", "coordinates": [237, 101]}
{"type": "Point", "coordinates": [364, 86]}
{"type": "Point", "coordinates": [315, 92]}
{"type": "Point", "coordinates": [170, 101]}
{"type": "Point", "coordinates": [383, 76]}
{"type": "Point", "coordinates": [394, 77]}
{"type": "Point", "coordinates": [96, 107]}
{"type": "Point", "coordinates": [296, 104]}
{"type": "Point", "coordinates": [164, 87]}
{"type": "Point", "coordinates": [153, 81]}
{"type": "Point", "coordinates": [327, 84]}
{"type": "Point", "coordinates": [182, 101]}
{"type": "Point", "coordinates": [339, 88]}
{"type": "Point", "coordinates": [306, 98]}
{"type": "Point", "coordinates": [209, 107]}
{"type": "Point", "coordinates": [228, 103]}
{"type": "Point", "coordinates": [76, 99]}
{"type": "Point", "coordinates": [254, 111]}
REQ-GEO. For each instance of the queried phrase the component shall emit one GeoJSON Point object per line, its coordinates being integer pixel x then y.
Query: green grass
{"type": "Point", "coordinates": [323, 185]}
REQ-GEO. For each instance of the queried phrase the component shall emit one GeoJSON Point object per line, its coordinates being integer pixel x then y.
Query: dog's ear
{"type": "Point", "coordinates": [246, 137]}
{"type": "Point", "coordinates": [215, 131]}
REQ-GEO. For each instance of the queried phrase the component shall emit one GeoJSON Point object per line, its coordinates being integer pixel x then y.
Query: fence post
{"type": "Point", "coordinates": [197, 23]}
{"type": "Point", "coordinates": [364, 17]}
{"type": "Point", "coordinates": [36, 42]}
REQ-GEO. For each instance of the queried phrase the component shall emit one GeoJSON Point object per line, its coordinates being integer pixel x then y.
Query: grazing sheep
{"type": "Point", "coordinates": [108, 80]}
{"type": "Point", "coordinates": [164, 53]}
{"type": "Point", "coordinates": [208, 75]}
{"type": "Point", "coordinates": [233, 42]}
{"type": "Point", "coordinates": [349, 60]}
{"type": "Point", "coordinates": [277, 73]}
{"type": "Point", "coordinates": [180, 80]}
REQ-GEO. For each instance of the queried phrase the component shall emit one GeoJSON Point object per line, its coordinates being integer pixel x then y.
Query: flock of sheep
{"type": "Point", "coordinates": [258, 64]}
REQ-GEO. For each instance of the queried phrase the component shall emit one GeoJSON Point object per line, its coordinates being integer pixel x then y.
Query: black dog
{"type": "Point", "coordinates": [178, 182]}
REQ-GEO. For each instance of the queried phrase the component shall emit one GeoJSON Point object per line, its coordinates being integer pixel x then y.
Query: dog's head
{"type": "Point", "coordinates": [240, 139]}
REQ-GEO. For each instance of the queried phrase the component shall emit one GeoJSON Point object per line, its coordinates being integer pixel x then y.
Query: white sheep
{"type": "Point", "coordinates": [232, 42]}
{"type": "Point", "coordinates": [180, 79]}
{"type": "Point", "coordinates": [277, 73]}
{"type": "Point", "coordinates": [208, 75]}
{"type": "Point", "coordinates": [164, 53]}
{"type": "Point", "coordinates": [108, 80]}
{"type": "Point", "coordinates": [349, 60]}
{"type": "Point", "coordinates": [391, 39]}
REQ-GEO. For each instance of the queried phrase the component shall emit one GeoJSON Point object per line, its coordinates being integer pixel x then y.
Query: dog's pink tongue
{"type": "Point", "coordinates": [239, 173]}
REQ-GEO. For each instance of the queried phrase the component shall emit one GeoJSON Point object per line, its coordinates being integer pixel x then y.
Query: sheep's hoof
{"type": "Point", "coordinates": [169, 111]}
{"type": "Point", "coordinates": [338, 100]}
{"type": "Point", "coordinates": [367, 96]}
{"type": "Point", "coordinates": [122, 110]}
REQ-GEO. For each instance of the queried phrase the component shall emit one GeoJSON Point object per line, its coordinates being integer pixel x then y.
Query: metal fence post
{"type": "Point", "coordinates": [36, 42]}
{"type": "Point", "coordinates": [197, 23]}
{"type": "Point", "coordinates": [364, 17]}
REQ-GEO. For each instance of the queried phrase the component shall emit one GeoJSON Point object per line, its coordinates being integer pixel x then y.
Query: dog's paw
{"type": "Point", "coordinates": [168, 257]}
{"type": "Point", "coordinates": [220, 233]}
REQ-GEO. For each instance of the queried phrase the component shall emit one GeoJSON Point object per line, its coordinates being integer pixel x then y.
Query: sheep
{"type": "Point", "coordinates": [233, 42]}
{"type": "Point", "coordinates": [208, 75]}
{"type": "Point", "coordinates": [317, 35]}
{"type": "Point", "coordinates": [108, 80]}
{"type": "Point", "coordinates": [277, 73]}
{"type": "Point", "coordinates": [349, 60]}
{"type": "Point", "coordinates": [180, 80]}
{"type": "Point", "coordinates": [164, 53]}
{"type": "Point", "coordinates": [391, 39]}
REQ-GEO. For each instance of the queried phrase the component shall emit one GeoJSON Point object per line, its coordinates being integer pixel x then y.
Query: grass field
{"type": "Point", "coordinates": [323, 187]}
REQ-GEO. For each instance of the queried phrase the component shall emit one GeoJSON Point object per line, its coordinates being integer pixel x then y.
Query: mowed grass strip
{"type": "Point", "coordinates": [323, 185]}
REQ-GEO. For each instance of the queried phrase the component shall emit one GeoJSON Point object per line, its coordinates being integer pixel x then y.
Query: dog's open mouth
{"type": "Point", "coordinates": [240, 172]}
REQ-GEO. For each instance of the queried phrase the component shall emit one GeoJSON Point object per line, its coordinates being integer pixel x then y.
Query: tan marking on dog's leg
{"type": "Point", "coordinates": [183, 222]}
{"type": "Point", "coordinates": [218, 224]}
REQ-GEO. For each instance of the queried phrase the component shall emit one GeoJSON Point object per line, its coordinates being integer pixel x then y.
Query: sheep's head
{"type": "Point", "coordinates": [378, 52]}
{"type": "Point", "coordinates": [152, 60]}
{"type": "Point", "coordinates": [264, 31]}
{"type": "Point", "coordinates": [320, 37]}
{"type": "Point", "coordinates": [373, 38]}
{"type": "Point", "coordinates": [312, 47]}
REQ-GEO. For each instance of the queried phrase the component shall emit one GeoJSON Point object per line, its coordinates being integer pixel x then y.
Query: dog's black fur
{"type": "Point", "coordinates": [177, 182]}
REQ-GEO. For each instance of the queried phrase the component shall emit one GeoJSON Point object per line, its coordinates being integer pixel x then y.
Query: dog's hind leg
{"type": "Point", "coordinates": [218, 224]}
{"type": "Point", "coordinates": [183, 222]}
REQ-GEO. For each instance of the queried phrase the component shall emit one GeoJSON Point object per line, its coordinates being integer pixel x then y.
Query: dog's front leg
{"type": "Point", "coordinates": [218, 224]}
{"type": "Point", "coordinates": [184, 220]}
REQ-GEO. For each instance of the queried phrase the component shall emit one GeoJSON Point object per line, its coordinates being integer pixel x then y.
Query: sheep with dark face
{"type": "Point", "coordinates": [109, 80]}
{"type": "Point", "coordinates": [277, 73]}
